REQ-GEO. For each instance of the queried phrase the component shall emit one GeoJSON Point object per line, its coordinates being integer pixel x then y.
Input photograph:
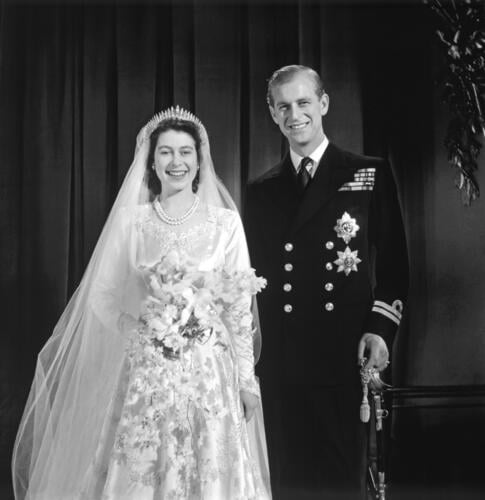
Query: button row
{"type": "Point", "coordinates": [287, 287]}
{"type": "Point", "coordinates": [328, 307]}
{"type": "Point", "coordinates": [329, 245]}
{"type": "Point", "coordinates": [289, 267]}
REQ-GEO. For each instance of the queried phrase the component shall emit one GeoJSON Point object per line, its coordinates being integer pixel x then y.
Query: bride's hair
{"type": "Point", "coordinates": [154, 184]}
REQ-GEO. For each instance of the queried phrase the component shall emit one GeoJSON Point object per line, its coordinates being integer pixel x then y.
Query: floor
{"type": "Point", "coordinates": [394, 492]}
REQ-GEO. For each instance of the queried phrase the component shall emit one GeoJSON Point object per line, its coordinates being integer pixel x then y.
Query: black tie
{"type": "Point", "coordinates": [303, 177]}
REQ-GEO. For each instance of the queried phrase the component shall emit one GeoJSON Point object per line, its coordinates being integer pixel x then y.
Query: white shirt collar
{"type": "Point", "coordinates": [316, 156]}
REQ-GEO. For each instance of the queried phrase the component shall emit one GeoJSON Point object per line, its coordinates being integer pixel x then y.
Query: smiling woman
{"type": "Point", "coordinates": [163, 318]}
{"type": "Point", "coordinates": [173, 159]}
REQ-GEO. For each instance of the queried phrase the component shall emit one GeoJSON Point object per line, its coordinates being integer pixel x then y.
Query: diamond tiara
{"type": "Point", "coordinates": [177, 113]}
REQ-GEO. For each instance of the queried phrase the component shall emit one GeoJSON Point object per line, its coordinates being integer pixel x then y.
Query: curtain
{"type": "Point", "coordinates": [78, 80]}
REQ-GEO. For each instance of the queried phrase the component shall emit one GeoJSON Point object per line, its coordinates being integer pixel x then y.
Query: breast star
{"type": "Point", "coordinates": [347, 261]}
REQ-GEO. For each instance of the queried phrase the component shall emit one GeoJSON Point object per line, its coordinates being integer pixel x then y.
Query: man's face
{"type": "Point", "coordinates": [298, 111]}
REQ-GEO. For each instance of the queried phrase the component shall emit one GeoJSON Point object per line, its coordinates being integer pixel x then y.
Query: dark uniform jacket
{"type": "Point", "coordinates": [336, 263]}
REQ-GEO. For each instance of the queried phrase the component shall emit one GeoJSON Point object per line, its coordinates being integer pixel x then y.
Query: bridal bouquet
{"type": "Point", "coordinates": [184, 304]}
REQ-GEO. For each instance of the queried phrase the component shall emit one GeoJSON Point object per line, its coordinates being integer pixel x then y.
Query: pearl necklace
{"type": "Point", "coordinates": [175, 221]}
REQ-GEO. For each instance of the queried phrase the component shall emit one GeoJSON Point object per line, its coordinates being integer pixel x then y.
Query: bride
{"type": "Point", "coordinates": [146, 388]}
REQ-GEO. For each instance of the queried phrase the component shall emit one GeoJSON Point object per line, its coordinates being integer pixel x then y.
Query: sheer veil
{"type": "Point", "coordinates": [79, 367]}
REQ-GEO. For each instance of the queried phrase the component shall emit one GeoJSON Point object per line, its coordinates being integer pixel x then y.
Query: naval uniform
{"type": "Point", "coordinates": [336, 263]}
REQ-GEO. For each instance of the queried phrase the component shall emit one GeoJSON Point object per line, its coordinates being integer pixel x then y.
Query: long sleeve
{"type": "Point", "coordinates": [391, 261]}
{"type": "Point", "coordinates": [107, 295]}
{"type": "Point", "coordinates": [239, 317]}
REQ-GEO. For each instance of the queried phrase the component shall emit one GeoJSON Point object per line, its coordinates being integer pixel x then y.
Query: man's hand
{"type": "Point", "coordinates": [376, 352]}
{"type": "Point", "coordinates": [249, 402]}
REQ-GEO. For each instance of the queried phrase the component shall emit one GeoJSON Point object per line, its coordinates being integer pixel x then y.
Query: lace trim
{"type": "Point", "coordinates": [147, 222]}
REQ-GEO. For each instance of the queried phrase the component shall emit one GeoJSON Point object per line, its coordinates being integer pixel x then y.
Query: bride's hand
{"type": "Point", "coordinates": [128, 324]}
{"type": "Point", "coordinates": [249, 402]}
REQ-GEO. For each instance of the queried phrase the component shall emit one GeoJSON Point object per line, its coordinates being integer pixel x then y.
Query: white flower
{"type": "Point", "coordinates": [132, 397]}
{"type": "Point", "coordinates": [185, 315]}
{"type": "Point", "coordinates": [173, 258]}
{"type": "Point", "coordinates": [188, 294]}
{"type": "Point", "coordinates": [175, 342]}
{"type": "Point", "coordinates": [157, 324]}
{"type": "Point", "coordinates": [154, 283]}
{"type": "Point", "coordinates": [160, 335]}
{"type": "Point", "coordinates": [203, 313]}
{"type": "Point", "coordinates": [246, 321]}
{"type": "Point", "coordinates": [169, 313]}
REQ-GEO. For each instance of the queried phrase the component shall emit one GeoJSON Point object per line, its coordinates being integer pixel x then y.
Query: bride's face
{"type": "Point", "coordinates": [175, 161]}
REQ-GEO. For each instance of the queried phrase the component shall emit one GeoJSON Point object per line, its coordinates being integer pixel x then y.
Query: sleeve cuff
{"type": "Point", "coordinates": [250, 385]}
{"type": "Point", "coordinates": [384, 319]}
{"type": "Point", "coordinates": [391, 311]}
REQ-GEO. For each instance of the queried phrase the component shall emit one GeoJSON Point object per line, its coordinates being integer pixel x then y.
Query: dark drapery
{"type": "Point", "coordinates": [77, 81]}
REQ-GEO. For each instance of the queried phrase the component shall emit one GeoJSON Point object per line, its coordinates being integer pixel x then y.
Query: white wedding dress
{"type": "Point", "coordinates": [206, 449]}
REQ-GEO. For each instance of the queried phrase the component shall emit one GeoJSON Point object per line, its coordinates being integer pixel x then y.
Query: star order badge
{"type": "Point", "coordinates": [346, 227]}
{"type": "Point", "coordinates": [347, 261]}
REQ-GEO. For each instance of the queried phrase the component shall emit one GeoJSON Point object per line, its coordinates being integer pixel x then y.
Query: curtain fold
{"type": "Point", "coordinates": [77, 82]}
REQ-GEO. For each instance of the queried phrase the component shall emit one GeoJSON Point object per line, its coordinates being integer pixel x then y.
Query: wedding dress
{"type": "Point", "coordinates": [97, 424]}
{"type": "Point", "coordinates": [203, 450]}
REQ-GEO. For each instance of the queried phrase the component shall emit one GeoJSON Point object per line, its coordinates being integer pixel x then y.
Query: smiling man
{"type": "Point", "coordinates": [297, 106]}
{"type": "Point", "coordinates": [324, 227]}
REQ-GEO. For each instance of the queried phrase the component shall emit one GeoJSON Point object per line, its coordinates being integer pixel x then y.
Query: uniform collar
{"type": "Point", "coordinates": [316, 156]}
{"type": "Point", "coordinates": [325, 185]}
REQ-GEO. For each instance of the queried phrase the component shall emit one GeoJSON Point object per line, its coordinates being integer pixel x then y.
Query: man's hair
{"type": "Point", "coordinates": [286, 74]}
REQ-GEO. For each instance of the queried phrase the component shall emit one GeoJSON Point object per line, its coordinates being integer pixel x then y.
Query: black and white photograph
{"type": "Point", "coordinates": [242, 249]}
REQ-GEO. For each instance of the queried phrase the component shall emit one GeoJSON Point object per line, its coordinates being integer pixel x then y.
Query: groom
{"type": "Point", "coordinates": [324, 228]}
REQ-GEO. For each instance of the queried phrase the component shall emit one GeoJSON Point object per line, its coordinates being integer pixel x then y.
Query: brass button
{"type": "Point", "coordinates": [289, 247]}
{"type": "Point", "coordinates": [329, 287]}
{"type": "Point", "coordinates": [288, 267]}
{"type": "Point", "coordinates": [328, 266]}
{"type": "Point", "coordinates": [288, 308]}
{"type": "Point", "coordinates": [287, 287]}
{"type": "Point", "coordinates": [329, 306]}
{"type": "Point", "coordinates": [329, 245]}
